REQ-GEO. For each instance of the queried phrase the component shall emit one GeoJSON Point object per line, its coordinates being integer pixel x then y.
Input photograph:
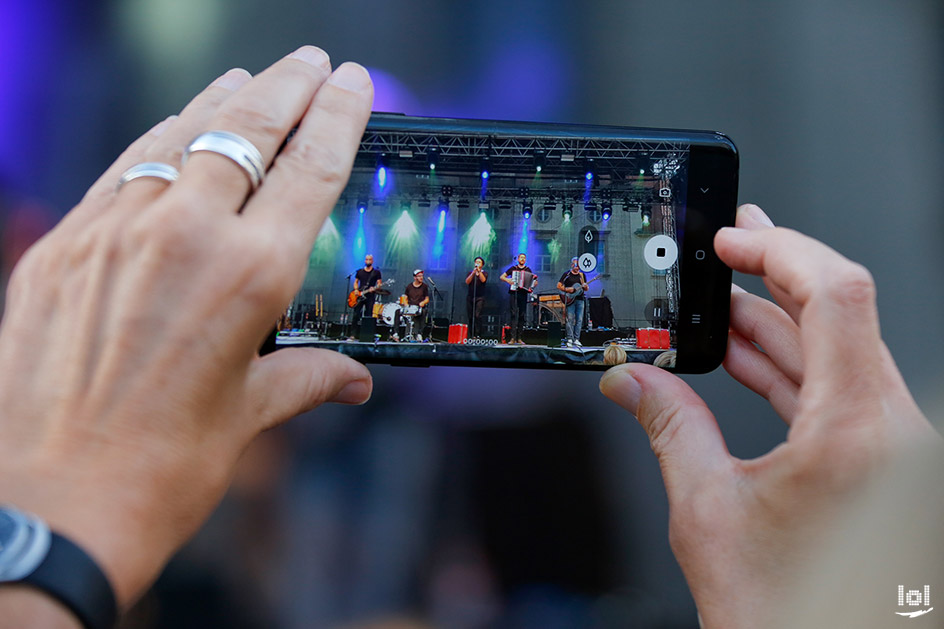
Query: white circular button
{"type": "Point", "coordinates": [700, 254]}
{"type": "Point", "coordinates": [587, 262]}
{"type": "Point", "coordinates": [661, 252]}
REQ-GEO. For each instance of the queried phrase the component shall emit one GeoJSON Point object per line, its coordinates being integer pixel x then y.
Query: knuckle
{"type": "Point", "coordinates": [320, 160]}
{"type": "Point", "coordinates": [662, 427]}
{"type": "Point", "coordinates": [254, 118]}
{"type": "Point", "coordinates": [853, 285]}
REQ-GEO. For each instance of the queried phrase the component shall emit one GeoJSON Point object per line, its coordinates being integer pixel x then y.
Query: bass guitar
{"type": "Point", "coordinates": [569, 298]}
{"type": "Point", "coordinates": [355, 299]}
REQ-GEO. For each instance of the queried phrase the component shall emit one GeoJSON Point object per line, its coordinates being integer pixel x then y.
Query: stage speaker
{"type": "Point", "coordinates": [555, 333]}
{"type": "Point", "coordinates": [441, 322]}
{"type": "Point", "coordinates": [368, 330]}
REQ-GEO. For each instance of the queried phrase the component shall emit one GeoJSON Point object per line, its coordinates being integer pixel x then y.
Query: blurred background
{"type": "Point", "coordinates": [539, 503]}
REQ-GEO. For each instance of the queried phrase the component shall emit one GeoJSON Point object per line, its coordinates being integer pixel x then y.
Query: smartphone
{"type": "Point", "coordinates": [522, 244]}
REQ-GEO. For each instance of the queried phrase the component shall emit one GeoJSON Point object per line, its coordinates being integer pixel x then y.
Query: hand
{"type": "Point", "coordinates": [570, 289]}
{"type": "Point", "coordinates": [742, 529]}
{"type": "Point", "coordinates": [122, 425]}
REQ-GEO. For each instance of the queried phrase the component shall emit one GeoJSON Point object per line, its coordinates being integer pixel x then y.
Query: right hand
{"type": "Point", "coordinates": [743, 530]}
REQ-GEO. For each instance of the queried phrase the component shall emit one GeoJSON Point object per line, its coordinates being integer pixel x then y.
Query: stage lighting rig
{"type": "Point", "coordinates": [607, 210]}
{"type": "Point", "coordinates": [446, 191]}
{"type": "Point", "coordinates": [527, 209]}
{"type": "Point", "coordinates": [568, 212]}
{"type": "Point", "coordinates": [432, 157]}
{"type": "Point", "coordinates": [540, 160]}
{"type": "Point", "coordinates": [646, 217]}
{"type": "Point", "coordinates": [485, 168]}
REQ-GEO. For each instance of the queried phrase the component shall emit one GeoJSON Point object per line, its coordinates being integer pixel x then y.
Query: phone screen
{"type": "Point", "coordinates": [519, 244]}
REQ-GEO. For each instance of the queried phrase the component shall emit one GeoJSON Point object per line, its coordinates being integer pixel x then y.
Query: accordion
{"type": "Point", "coordinates": [522, 280]}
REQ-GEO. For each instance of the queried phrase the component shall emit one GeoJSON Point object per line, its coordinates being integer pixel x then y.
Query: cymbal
{"type": "Point", "coordinates": [382, 291]}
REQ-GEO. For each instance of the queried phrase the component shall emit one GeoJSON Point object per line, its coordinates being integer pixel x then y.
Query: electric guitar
{"type": "Point", "coordinates": [354, 300]}
{"type": "Point", "coordinates": [569, 298]}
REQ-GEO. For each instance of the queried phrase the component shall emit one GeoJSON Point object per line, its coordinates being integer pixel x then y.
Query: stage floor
{"type": "Point", "coordinates": [420, 354]}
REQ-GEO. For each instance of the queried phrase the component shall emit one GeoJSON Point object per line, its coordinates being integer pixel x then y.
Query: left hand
{"type": "Point", "coordinates": [122, 422]}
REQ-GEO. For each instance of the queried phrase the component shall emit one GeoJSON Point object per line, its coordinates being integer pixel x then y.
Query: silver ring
{"type": "Point", "coordinates": [148, 169]}
{"type": "Point", "coordinates": [236, 148]}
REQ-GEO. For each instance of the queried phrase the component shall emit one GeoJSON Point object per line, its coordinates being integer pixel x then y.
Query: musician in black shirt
{"type": "Point", "coordinates": [366, 281]}
{"type": "Point", "coordinates": [475, 300]}
{"type": "Point", "coordinates": [574, 281]}
{"type": "Point", "coordinates": [417, 296]}
{"type": "Point", "coordinates": [518, 296]}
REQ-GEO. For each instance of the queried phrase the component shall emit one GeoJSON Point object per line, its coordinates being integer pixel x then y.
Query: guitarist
{"type": "Point", "coordinates": [370, 279]}
{"type": "Point", "coordinates": [574, 282]}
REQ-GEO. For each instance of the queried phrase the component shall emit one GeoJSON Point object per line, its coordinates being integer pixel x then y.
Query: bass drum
{"type": "Point", "coordinates": [389, 313]}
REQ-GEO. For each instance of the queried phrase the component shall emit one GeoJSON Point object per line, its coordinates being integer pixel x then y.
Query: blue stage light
{"type": "Point", "coordinates": [382, 177]}
{"type": "Point", "coordinates": [484, 174]}
{"type": "Point", "coordinates": [589, 175]}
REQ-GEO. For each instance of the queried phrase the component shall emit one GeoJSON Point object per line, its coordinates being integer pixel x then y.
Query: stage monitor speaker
{"type": "Point", "coordinates": [555, 334]}
{"type": "Point", "coordinates": [368, 330]}
{"type": "Point", "coordinates": [441, 322]}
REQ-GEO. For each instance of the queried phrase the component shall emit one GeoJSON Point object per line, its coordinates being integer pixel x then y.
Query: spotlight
{"type": "Point", "coordinates": [568, 213]}
{"type": "Point", "coordinates": [646, 217]}
{"type": "Point", "coordinates": [527, 209]}
{"type": "Point", "coordinates": [483, 206]}
{"type": "Point", "coordinates": [447, 191]}
{"type": "Point", "coordinates": [607, 210]}
{"type": "Point", "coordinates": [484, 167]}
{"type": "Point", "coordinates": [361, 206]}
{"type": "Point", "coordinates": [432, 157]}
{"type": "Point", "coordinates": [590, 169]}
{"type": "Point", "coordinates": [381, 171]}
{"type": "Point", "coordinates": [540, 158]}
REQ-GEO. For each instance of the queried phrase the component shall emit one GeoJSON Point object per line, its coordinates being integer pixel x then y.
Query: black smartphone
{"type": "Point", "coordinates": [521, 244]}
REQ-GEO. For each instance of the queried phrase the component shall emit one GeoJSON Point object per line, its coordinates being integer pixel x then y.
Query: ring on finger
{"type": "Point", "coordinates": [158, 170]}
{"type": "Point", "coordinates": [235, 147]}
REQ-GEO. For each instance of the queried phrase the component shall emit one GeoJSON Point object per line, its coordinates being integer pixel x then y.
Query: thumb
{"type": "Point", "coordinates": [682, 430]}
{"type": "Point", "coordinates": [297, 379]}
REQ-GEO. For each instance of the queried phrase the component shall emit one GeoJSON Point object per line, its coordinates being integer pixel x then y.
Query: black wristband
{"type": "Point", "coordinates": [69, 575]}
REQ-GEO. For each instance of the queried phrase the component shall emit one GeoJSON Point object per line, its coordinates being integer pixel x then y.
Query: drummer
{"type": "Point", "coordinates": [416, 296]}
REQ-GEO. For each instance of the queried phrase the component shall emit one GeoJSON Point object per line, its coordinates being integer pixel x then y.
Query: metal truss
{"type": "Point", "coordinates": [516, 154]}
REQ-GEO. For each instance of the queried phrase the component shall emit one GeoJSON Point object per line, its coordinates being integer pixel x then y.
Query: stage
{"type": "Point", "coordinates": [422, 354]}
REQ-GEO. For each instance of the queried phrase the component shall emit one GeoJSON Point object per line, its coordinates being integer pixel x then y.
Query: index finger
{"type": "Point", "coordinates": [308, 176]}
{"type": "Point", "coordinates": [839, 331]}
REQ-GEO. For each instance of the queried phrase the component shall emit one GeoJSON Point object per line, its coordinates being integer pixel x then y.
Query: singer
{"type": "Point", "coordinates": [475, 300]}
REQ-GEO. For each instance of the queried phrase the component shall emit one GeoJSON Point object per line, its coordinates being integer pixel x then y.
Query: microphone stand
{"type": "Point", "coordinates": [346, 316]}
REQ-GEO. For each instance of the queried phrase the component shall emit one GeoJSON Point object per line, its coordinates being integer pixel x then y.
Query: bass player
{"type": "Point", "coordinates": [573, 282]}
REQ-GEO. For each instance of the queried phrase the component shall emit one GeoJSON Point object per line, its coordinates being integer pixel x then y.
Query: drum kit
{"type": "Point", "coordinates": [388, 313]}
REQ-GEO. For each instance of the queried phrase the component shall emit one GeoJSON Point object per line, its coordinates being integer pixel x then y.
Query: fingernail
{"type": "Point", "coordinates": [233, 79]}
{"type": "Point", "coordinates": [161, 126]}
{"type": "Point", "coordinates": [356, 392]}
{"type": "Point", "coordinates": [619, 385]}
{"type": "Point", "coordinates": [735, 233]}
{"type": "Point", "coordinates": [350, 76]}
{"type": "Point", "coordinates": [756, 214]}
{"type": "Point", "coordinates": [737, 289]}
{"type": "Point", "coordinates": [312, 55]}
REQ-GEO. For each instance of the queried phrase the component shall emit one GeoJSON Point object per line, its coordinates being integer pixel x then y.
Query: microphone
{"type": "Point", "coordinates": [431, 282]}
